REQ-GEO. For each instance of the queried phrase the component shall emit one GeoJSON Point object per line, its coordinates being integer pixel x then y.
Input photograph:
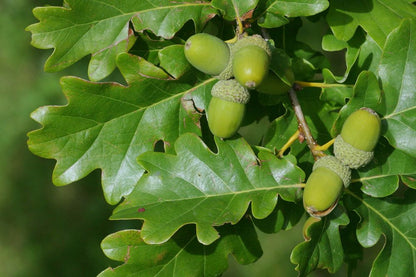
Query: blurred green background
{"type": "Point", "coordinates": [56, 231]}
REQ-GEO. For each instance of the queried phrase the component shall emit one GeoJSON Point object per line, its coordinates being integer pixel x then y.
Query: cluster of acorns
{"type": "Point", "coordinates": [244, 65]}
{"type": "Point", "coordinates": [240, 66]}
{"type": "Point", "coordinates": [353, 148]}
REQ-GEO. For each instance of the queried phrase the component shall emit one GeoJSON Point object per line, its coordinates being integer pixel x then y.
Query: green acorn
{"type": "Point", "coordinates": [207, 53]}
{"type": "Point", "coordinates": [325, 185]}
{"type": "Point", "coordinates": [359, 135]}
{"type": "Point", "coordinates": [250, 61]}
{"type": "Point", "coordinates": [227, 107]}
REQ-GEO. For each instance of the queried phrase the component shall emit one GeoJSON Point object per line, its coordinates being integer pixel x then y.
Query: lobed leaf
{"type": "Point", "coordinates": [232, 9]}
{"type": "Point", "coordinates": [182, 255]}
{"type": "Point", "coordinates": [324, 248]}
{"type": "Point", "coordinates": [197, 186]}
{"type": "Point", "coordinates": [380, 178]}
{"type": "Point", "coordinates": [397, 71]}
{"type": "Point", "coordinates": [101, 28]}
{"type": "Point", "coordinates": [107, 125]}
{"type": "Point", "coordinates": [277, 12]}
{"type": "Point", "coordinates": [392, 218]}
{"type": "Point", "coordinates": [377, 17]}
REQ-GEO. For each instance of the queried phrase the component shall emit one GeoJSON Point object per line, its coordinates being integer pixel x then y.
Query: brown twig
{"type": "Point", "coordinates": [303, 126]}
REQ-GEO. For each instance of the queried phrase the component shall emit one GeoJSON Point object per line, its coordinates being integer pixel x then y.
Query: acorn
{"type": "Point", "coordinates": [227, 107]}
{"type": "Point", "coordinates": [250, 61]}
{"type": "Point", "coordinates": [207, 53]}
{"type": "Point", "coordinates": [325, 185]}
{"type": "Point", "coordinates": [273, 85]}
{"type": "Point", "coordinates": [359, 135]}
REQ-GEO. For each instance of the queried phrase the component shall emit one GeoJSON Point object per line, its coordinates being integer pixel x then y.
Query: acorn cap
{"type": "Point", "coordinates": [256, 40]}
{"type": "Point", "coordinates": [349, 155]}
{"type": "Point", "coordinates": [231, 90]}
{"type": "Point", "coordinates": [227, 73]}
{"type": "Point", "coordinates": [336, 166]}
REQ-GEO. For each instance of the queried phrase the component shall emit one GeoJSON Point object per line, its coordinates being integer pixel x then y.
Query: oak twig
{"type": "Point", "coordinates": [303, 126]}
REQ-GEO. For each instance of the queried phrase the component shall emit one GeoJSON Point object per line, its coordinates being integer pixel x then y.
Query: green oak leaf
{"type": "Point", "coordinates": [380, 178]}
{"type": "Point", "coordinates": [232, 9]}
{"type": "Point", "coordinates": [172, 59]}
{"type": "Point", "coordinates": [324, 248]}
{"type": "Point", "coordinates": [276, 13]}
{"type": "Point", "coordinates": [397, 71]}
{"type": "Point", "coordinates": [353, 48]}
{"type": "Point", "coordinates": [197, 186]}
{"type": "Point", "coordinates": [393, 219]}
{"type": "Point", "coordinates": [409, 180]}
{"type": "Point", "coordinates": [284, 217]}
{"type": "Point", "coordinates": [182, 255]}
{"type": "Point", "coordinates": [107, 125]}
{"type": "Point", "coordinates": [377, 17]}
{"type": "Point", "coordinates": [101, 28]}
{"type": "Point", "coordinates": [366, 93]}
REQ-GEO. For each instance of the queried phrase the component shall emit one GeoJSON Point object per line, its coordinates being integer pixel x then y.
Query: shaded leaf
{"type": "Point", "coordinates": [377, 17]}
{"type": "Point", "coordinates": [392, 218]}
{"type": "Point", "coordinates": [101, 28]}
{"type": "Point", "coordinates": [182, 255]}
{"type": "Point", "coordinates": [107, 125]}
{"type": "Point", "coordinates": [206, 189]}
{"type": "Point", "coordinates": [324, 249]}
{"type": "Point", "coordinates": [284, 217]}
{"type": "Point", "coordinates": [397, 72]}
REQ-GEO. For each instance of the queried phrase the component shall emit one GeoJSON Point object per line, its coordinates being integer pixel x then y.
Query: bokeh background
{"type": "Point", "coordinates": [56, 231]}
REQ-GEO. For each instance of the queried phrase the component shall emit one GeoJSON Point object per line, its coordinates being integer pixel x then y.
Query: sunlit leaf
{"type": "Point", "coordinates": [391, 220]}
{"type": "Point", "coordinates": [107, 125]}
{"type": "Point", "coordinates": [397, 72]}
{"type": "Point", "coordinates": [101, 28]}
{"type": "Point", "coordinates": [377, 17]}
{"type": "Point", "coordinates": [206, 189]}
{"type": "Point", "coordinates": [232, 9]}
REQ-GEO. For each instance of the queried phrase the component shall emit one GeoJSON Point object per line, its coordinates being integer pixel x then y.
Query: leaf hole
{"type": "Point", "coordinates": [159, 146]}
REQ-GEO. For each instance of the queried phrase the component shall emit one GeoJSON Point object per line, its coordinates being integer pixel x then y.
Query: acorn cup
{"type": "Point", "coordinates": [325, 186]}
{"type": "Point", "coordinates": [207, 53]}
{"type": "Point", "coordinates": [359, 135]}
{"type": "Point", "coordinates": [250, 60]}
{"type": "Point", "coordinates": [227, 107]}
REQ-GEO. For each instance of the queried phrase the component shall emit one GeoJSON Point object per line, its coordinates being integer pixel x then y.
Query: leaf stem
{"type": "Point", "coordinates": [303, 126]}
{"type": "Point", "coordinates": [320, 85]}
{"type": "Point", "coordinates": [291, 140]}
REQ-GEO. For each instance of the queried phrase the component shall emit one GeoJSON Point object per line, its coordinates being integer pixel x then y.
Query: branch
{"type": "Point", "coordinates": [303, 126]}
